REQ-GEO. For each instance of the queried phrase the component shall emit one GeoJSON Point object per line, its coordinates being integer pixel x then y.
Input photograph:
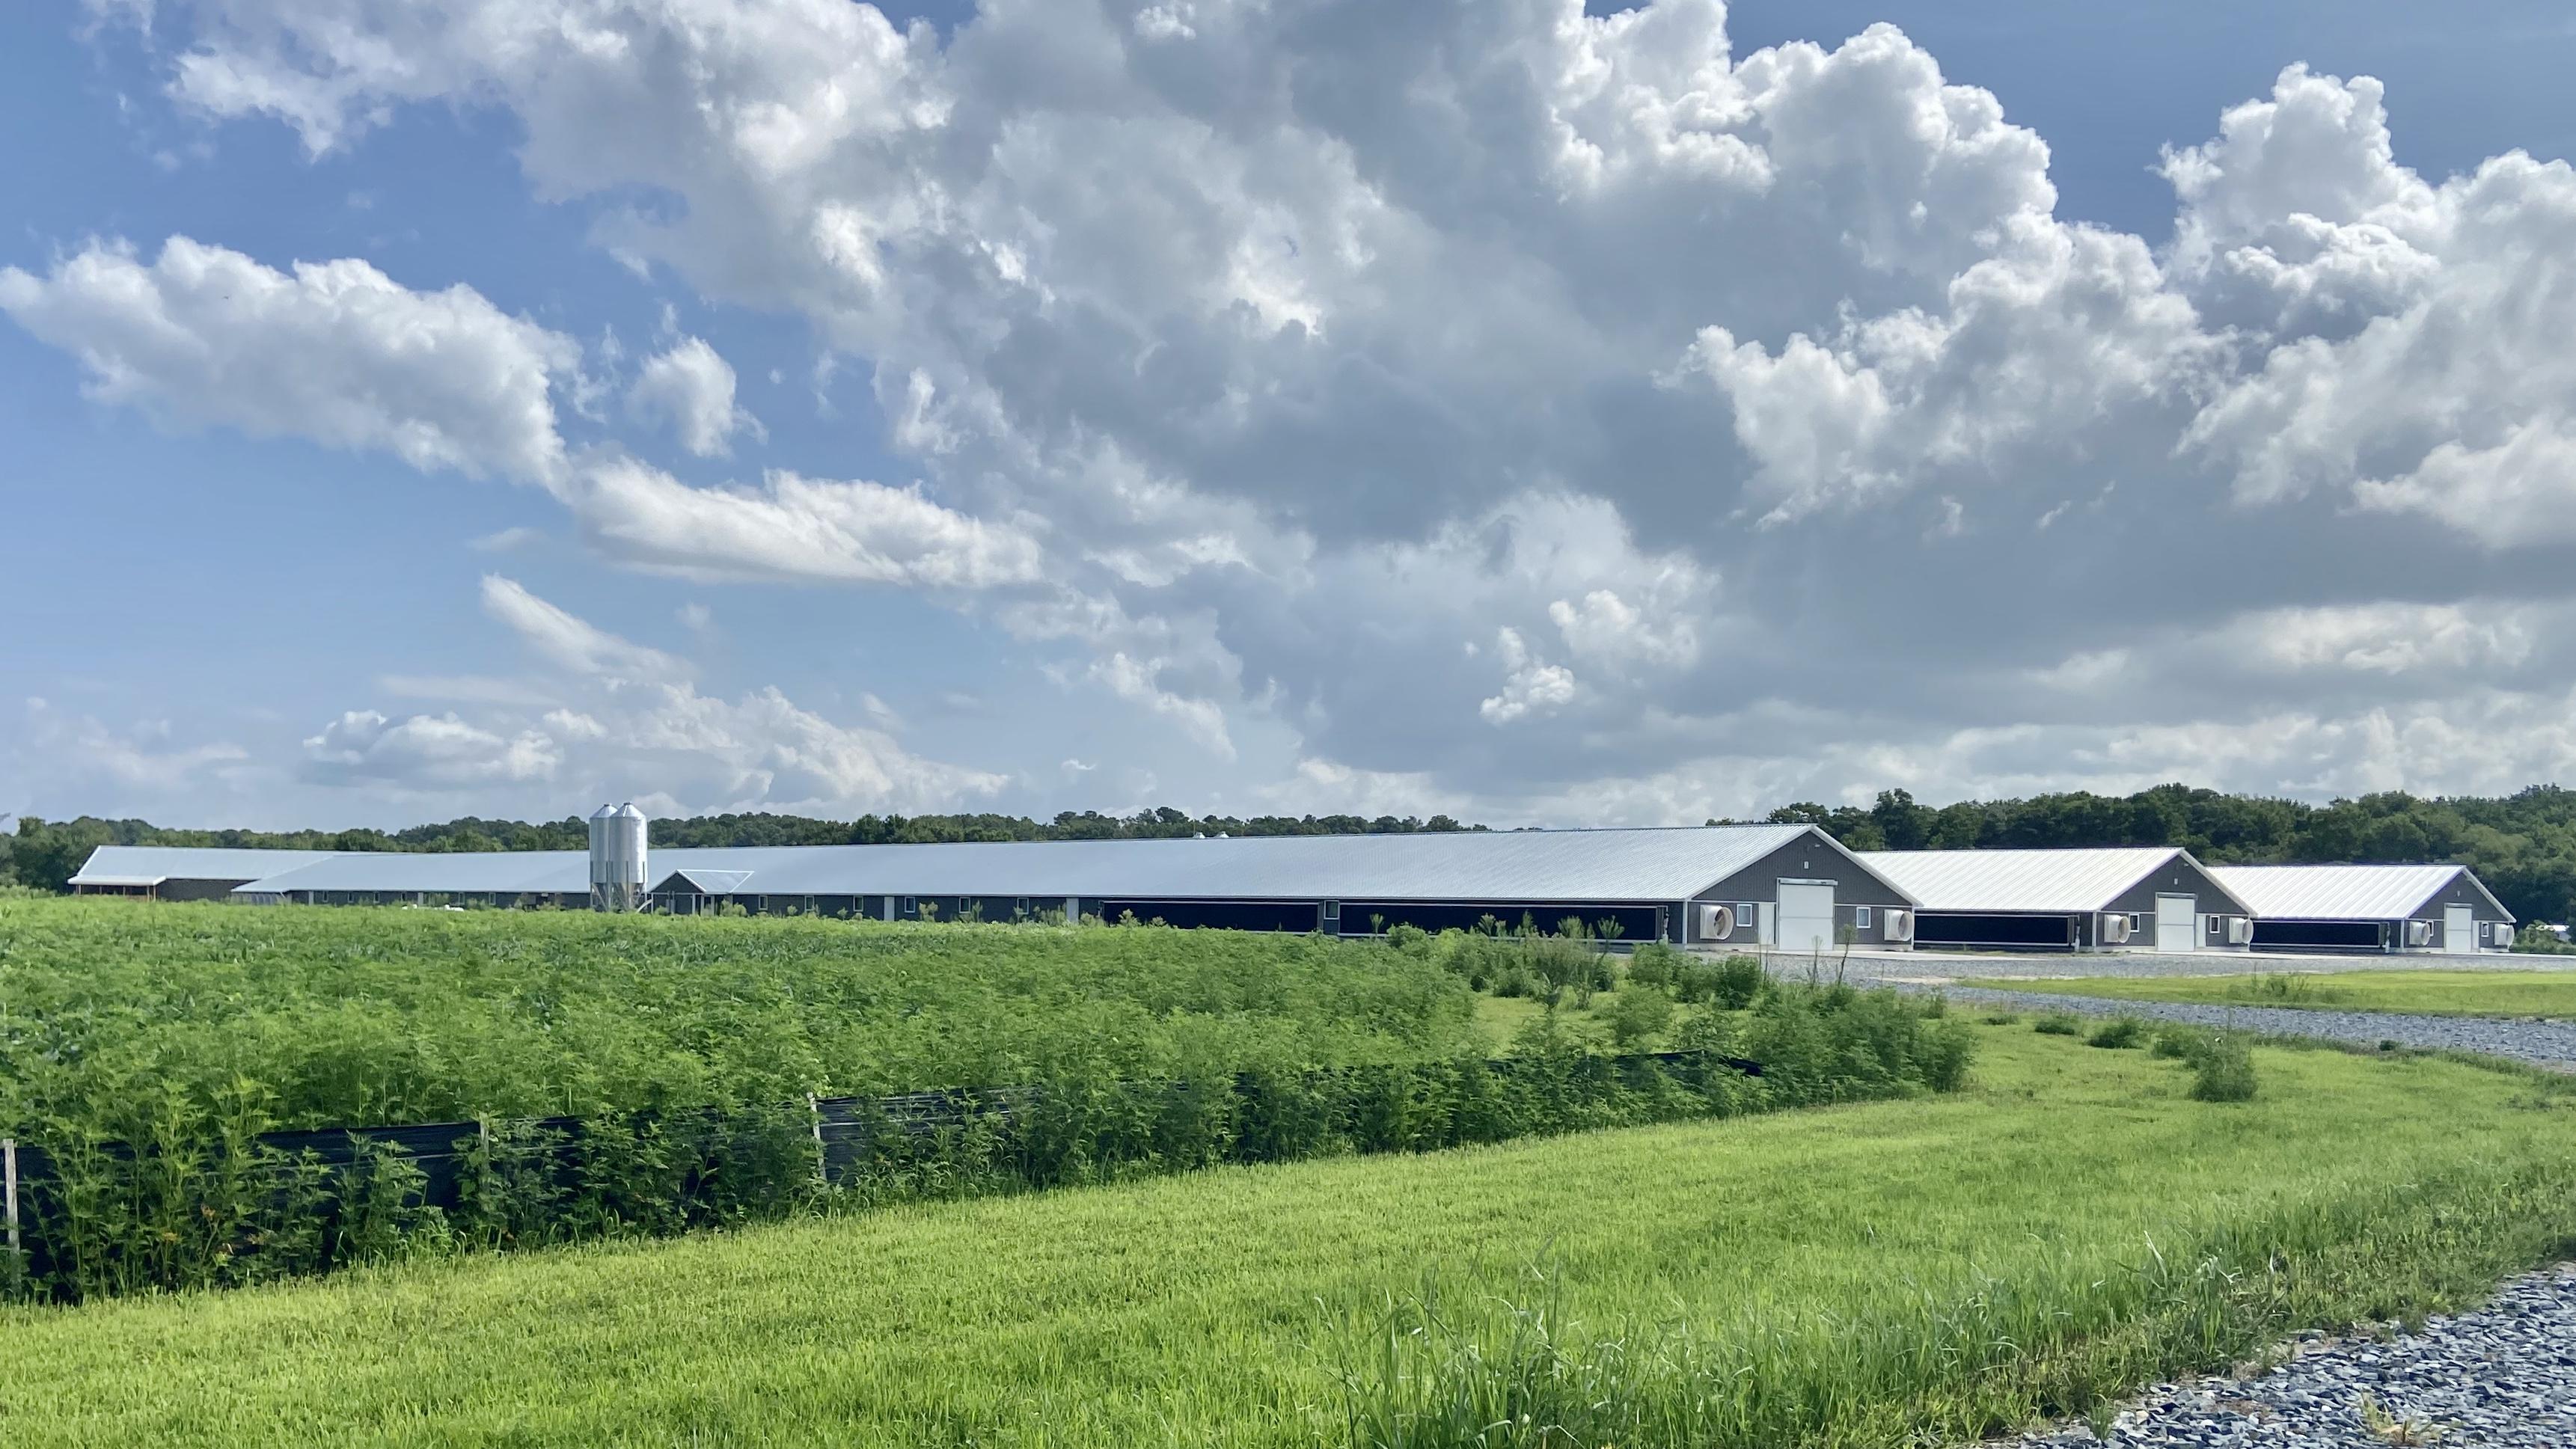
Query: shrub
{"type": "Point", "coordinates": [2001, 1018]}
{"type": "Point", "coordinates": [1947, 1050]}
{"type": "Point", "coordinates": [1559, 964]}
{"type": "Point", "coordinates": [2223, 1069]}
{"type": "Point", "coordinates": [1640, 1012]}
{"type": "Point", "coordinates": [1737, 981]}
{"type": "Point", "coordinates": [2543, 939]}
{"type": "Point", "coordinates": [1690, 978]}
{"type": "Point", "coordinates": [1410, 939]}
{"type": "Point", "coordinates": [1654, 963]}
{"type": "Point", "coordinates": [2120, 1032]}
{"type": "Point", "coordinates": [1831, 1044]}
{"type": "Point", "coordinates": [1706, 1030]}
{"type": "Point", "coordinates": [1481, 960]}
{"type": "Point", "coordinates": [2057, 1023]}
{"type": "Point", "coordinates": [2283, 986]}
{"type": "Point", "coordinates": [2178, 1043]}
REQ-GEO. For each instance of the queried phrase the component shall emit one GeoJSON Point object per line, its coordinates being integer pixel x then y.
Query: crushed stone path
{"type": "Point", "coordinates": [2547, 1043]}
{"type": "Point", "coordinates": [2502, 1377]}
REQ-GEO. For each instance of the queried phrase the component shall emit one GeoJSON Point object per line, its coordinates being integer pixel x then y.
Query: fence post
{"type": "Point", "coordinates": [9, 1153]}
{"type": "Point", "coordinates": [822, 1157]}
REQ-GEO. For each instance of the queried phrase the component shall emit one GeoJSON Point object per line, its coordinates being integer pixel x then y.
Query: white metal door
{"type": "Point", "coordinates": [1806, 917]}
{"type": "Point", "coordinates": [2459, 930]}
{"type": "Point", "coordinates": [2177, 923]}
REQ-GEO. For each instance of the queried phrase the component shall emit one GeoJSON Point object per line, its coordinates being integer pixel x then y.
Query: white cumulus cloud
{"type": "Point", "coordinates": [333, 351]}
{"type": "Point", "coordinates": [1757, 413]}
{"type": "Point", "coordinates": [690, 389]}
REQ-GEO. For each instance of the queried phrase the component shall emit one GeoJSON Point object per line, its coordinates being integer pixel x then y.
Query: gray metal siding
{"type": "Point", "coordinates": [179, 889]}
{"type": "Point", "coordinates": [2175, 877]}
{"type": "Point", "coordinates": [1815, 857]}
{"type": "Point", "coordinates": [2461, 892]}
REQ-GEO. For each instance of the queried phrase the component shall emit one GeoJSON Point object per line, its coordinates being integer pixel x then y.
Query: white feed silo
{"type": "Point", "coordinates": [617, 859]}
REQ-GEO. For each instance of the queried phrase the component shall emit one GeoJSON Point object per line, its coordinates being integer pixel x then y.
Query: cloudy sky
{"type": "Point", "coordinates": [1541, 416]}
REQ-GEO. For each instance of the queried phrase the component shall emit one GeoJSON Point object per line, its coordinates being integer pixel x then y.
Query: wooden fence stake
{"type": "Point", "coordinates": [822, 1156]}
{"type": "Point", "coordinates": [9, 1153]}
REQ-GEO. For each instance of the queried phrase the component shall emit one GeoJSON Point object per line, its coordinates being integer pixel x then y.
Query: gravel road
{"type": "Point", "coordinates": [2503, 1377]}
{"type": "Point", "coordinates": [2549, 1043]}
{"type": "Point", "coordinates": [1955, 965]}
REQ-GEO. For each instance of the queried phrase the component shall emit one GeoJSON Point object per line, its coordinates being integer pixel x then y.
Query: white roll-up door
{"type": "Point", "coordinates": [2177, 923]}
{"type": "Point", "coordinates": [2459, 930]}
{"type": "Point", "coordinates": [1806, 917]}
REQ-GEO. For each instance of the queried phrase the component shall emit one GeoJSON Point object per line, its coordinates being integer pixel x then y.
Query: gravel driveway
{"type": "Point", "coordinates": [2503, 1377]}
{"type": "Point", "coordinates": [2549, 1043]}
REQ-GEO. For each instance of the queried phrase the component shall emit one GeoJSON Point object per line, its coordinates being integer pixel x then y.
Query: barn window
{"type": "Point", "coordinates": [2217, 924]}
{"type": "Point", "coordinates": [909, 906]}
{"type": "Point", "coordinates": [1332, 910]}
{"type": "Point", "coordinates": [1860, 917]}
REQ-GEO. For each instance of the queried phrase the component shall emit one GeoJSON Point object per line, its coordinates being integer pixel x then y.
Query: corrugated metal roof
{"type": "Point", "coordinates": [130, 865]}
{"type": "Point", "coordinates": [2020, 880]}
{"type": "Point", "coordinates": [465, 871]}
{"type": "Point", "coordinates": [1536, 866]}
{"type": "Point", "coordinates": [2343, 892]}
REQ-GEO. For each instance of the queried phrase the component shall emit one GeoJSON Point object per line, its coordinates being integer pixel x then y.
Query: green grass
{"type": "Point", "coordinates": [1237, 1307]}
{"type": "Point", "coordinates": [1500, 1018]}
{"type": "Point", "coordinates": [2426, 993]}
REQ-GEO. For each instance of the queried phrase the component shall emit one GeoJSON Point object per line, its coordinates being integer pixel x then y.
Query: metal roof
{"type": "Point", "coordinates": [443, 872]}
{"type": "Point", "coordinates": [2344, 892]}
{"type": "Point", "coordinates": [145, 865]}
{"type": "Point", "coordinates": [1535, 866]}
{"type": "Point", "coordinates": [2021, 880]}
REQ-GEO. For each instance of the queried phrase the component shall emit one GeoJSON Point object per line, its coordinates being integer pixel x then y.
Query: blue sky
{"type": "Point", "coordinates": [1384, 462]}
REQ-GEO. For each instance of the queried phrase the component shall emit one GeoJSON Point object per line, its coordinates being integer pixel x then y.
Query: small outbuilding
{"type": "Point", "coordinates": [2146, 898]}
{"type": "Point", "coordinates": [2442, 910]}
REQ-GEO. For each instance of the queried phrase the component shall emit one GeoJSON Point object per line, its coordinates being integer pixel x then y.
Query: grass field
{"type": "Point", "coordinates": [1860, 1266]}
{"type": "Point", "coordinates": [2427, 993]}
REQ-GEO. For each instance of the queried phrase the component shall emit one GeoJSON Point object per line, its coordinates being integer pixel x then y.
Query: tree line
{"type": "Point", "coordinates": [2522, 845]}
